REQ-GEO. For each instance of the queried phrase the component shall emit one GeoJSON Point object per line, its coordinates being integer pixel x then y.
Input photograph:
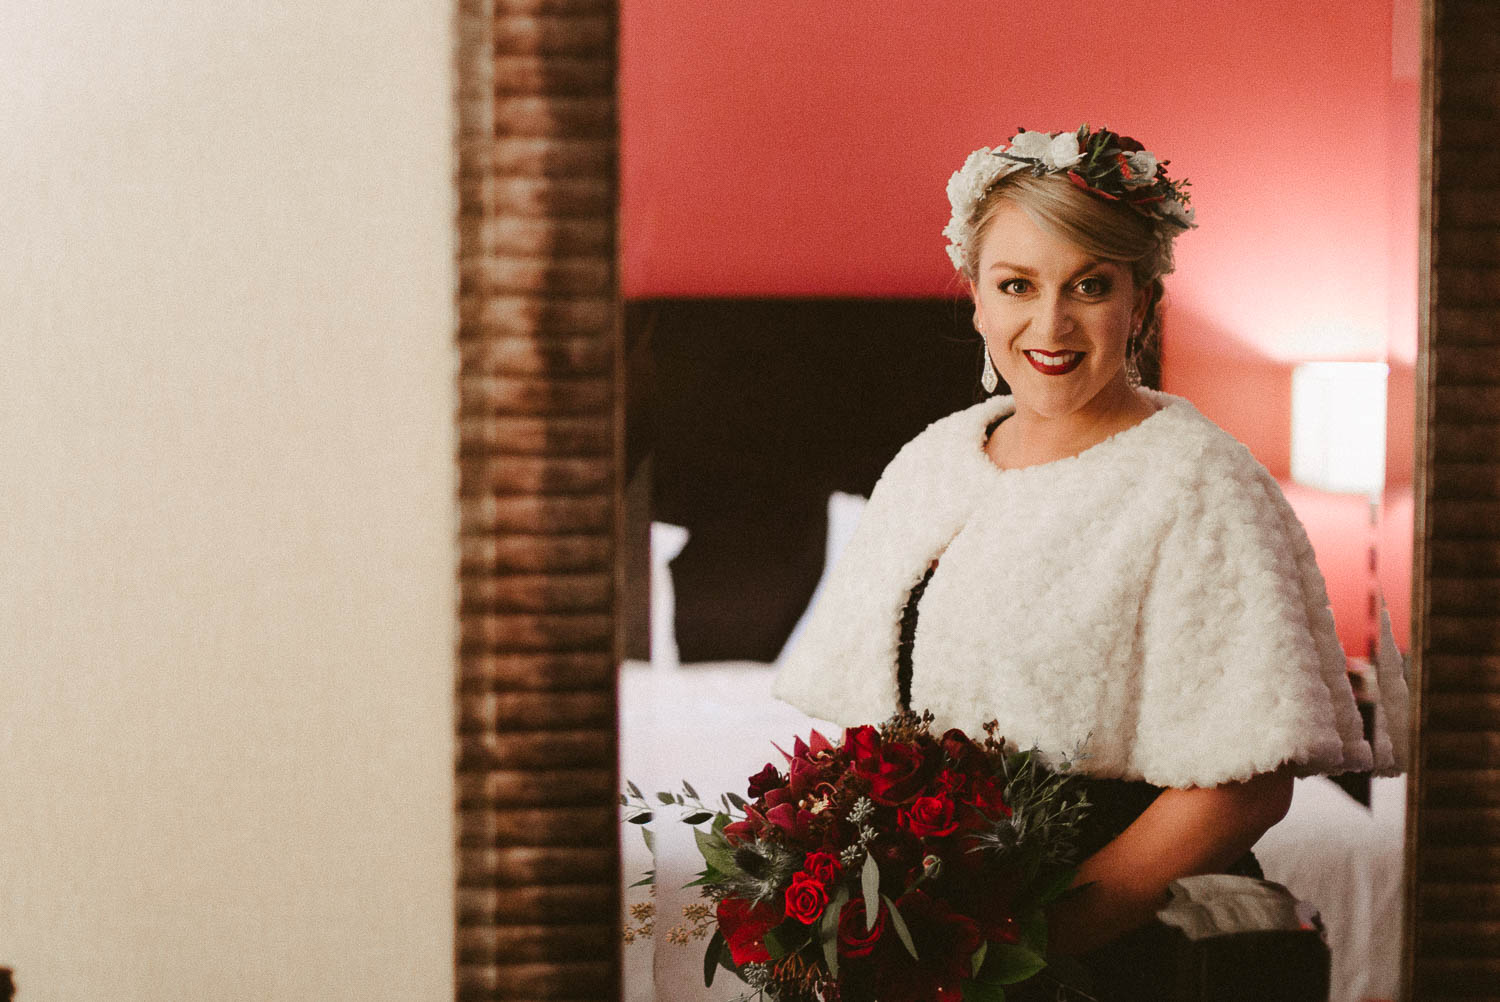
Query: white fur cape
{"type": "Point", "coordinates": [1152, 601]}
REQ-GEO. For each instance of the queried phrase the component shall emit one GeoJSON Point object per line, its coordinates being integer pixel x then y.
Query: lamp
{"type": "Point", "coordinates": [1338, 445]}
{"type": "Point", "coordinates": [1338, 426]}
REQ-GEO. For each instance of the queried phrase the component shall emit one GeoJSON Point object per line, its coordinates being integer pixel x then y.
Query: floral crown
{"type": "Point", "coordinates": [1105, 164]}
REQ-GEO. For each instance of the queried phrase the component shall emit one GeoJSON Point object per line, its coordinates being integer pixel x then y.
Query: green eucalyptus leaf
{"type": "Point", "coordinates": [1007, 963]}
{"type": "Point", "coordinates": [689, 788]}
{"type": "Point", "coordinates": [983, 991]}
{"type": "Point", "coordinates": [774, 944]}
{"type": "Point", "coordinates": [1034, 932]}
{"type": "Point", "coordinates": [901, 931]}
{"type": "Point", "coordinates": [828, 925]}
{"type": "Point", "coordinates": [977, 961]}
{"type": "Point", "coordinates": [635, 791]}
{"type": "Point", "coordinates": [716, 852]}
{"type": "Point", "coordinates": [1056, 887]}
{"type": "Point", "coordinates": [716, 947]}
{"type": "Point", "coordinates": [828, 930]}
{"type": "Point", "coordinates": [736, 800]}
{"type": "Point", "coordinates": [869, 885]}
{"type": "Point", "coordinates": [697, 817]}
{"type": "Point", "coordinates": [643, 818]}
{"type": "Point", "coordinates": [664, 797]}
{"type": "Point", "coordinates": [708, 875]}
{"type": "Point", "coordinates": [649, 837]}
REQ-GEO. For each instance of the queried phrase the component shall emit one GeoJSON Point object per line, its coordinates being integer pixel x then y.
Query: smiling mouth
{"type": "Point", "coordinates": [1053, 363]}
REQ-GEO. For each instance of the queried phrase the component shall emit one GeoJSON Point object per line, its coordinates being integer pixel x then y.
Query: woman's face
{"type": "Point", "coordinates": [1056, 319]}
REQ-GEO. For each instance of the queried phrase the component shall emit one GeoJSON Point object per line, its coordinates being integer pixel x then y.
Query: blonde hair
{"type": "Point", "coordinates": [1108, 230]}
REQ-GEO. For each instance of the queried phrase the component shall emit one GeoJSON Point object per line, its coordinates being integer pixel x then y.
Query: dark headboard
{"type": "Point", "coordinates": [751, 412]}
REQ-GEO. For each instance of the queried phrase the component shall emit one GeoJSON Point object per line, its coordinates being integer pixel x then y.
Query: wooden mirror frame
{"type": "Point", "coordinates": [540, 429]}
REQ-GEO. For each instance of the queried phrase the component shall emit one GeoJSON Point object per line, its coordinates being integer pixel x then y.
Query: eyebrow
{"type": "Point", "coordinates": [1022, 269]}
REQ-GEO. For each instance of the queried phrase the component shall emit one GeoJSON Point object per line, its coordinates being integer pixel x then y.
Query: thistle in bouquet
{"type": "Point", "coordinates": [893, 865]}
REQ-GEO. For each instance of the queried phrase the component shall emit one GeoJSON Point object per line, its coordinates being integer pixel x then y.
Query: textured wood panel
{"type": "Point", "coordinates": [538, 858]}
{"type": "Point", "coordinates": [1453, 932]}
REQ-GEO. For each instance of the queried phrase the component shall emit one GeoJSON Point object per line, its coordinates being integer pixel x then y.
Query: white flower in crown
{"type": "Point", "coordinates": [1062, 152]}
{"type": "Point", "coordinates": [1139, 169]}
{"type": "Point", "coordinates": [1174, 211]}
{"type": "Point", "coordinates": [965, 190]}
{"type": "Point", "coordinates": [1031, 145]}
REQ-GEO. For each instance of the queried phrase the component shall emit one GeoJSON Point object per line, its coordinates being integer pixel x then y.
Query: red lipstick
{"type": "Point", "coordinates": [1066, 362]}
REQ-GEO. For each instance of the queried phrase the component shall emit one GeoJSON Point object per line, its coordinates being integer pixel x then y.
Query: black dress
{"type": "Point", "coordinates": [1132, 968]}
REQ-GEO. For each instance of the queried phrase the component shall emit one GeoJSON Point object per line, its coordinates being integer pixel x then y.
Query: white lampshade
{"type": "Point", "coordinates": [1338, 426]}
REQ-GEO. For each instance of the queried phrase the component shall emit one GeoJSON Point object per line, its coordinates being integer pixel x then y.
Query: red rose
{"type": "Point", "coordinates": [928, 817]}
{"type": "Point", "coordinates": [824, 866]}
{"type": "Point", "coordinates": [896, 775]}
{"type": "Point", "coordinates": [806, 898]}
{"type": "Point", "coordinates": [745, 926]}
{"type": "Point", "coordinates": [862, 742]}
{"type": "Point", "coordinates": [854, 939]}
{"type": "Point", "coordinates": [767, 779]}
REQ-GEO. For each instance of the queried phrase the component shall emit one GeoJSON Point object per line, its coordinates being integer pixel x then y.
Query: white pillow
{"type": "Point", "coordinates": [844, 511]}
{"type": "Point", "coordinates": [667, 541]}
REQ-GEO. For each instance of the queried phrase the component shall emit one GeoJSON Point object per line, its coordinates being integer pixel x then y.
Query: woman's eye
{"type": "Point", "coordinates": [1093, 286]}
{"type": "Point", "coordinates": [1014, 286]}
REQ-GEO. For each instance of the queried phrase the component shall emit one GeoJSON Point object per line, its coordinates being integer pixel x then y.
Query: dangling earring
{"type": "Point", "coordinates": [1132, 371]}
{"type": "Point", "coordinates": [989, 378]}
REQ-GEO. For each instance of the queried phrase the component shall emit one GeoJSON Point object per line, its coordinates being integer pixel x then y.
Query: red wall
{"type": "Point", "coordinates": [794, 148]}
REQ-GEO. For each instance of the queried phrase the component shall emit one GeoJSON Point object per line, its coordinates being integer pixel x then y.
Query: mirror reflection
{"type": "Point", "coordinates": [792, 321]}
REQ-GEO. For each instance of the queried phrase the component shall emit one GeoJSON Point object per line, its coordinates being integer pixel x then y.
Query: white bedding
{"type": "Point", "coordinates": [713, 726]}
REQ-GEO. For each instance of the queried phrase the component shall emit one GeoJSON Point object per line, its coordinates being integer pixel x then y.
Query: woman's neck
{"type": "Point", "coordinates": [1027, 438]}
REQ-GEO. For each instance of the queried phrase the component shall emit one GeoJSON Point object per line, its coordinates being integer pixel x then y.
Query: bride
{"type": "Point", "coordinates": [1093, 564]}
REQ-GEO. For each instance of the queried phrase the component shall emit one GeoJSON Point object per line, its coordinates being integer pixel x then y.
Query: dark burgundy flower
{"type": "Point", "coordinates": [929, 817]}
{"type": "Point", "coordinates": [747, 830]}
{"type": "Point", "coordinates": [990, 899]}
{"type": "Point", "coordinates": [792, 821]}
{"type": "Point", "coordinates": [806, 897]}
{"type": "Point", "coordinates": [949, 782]}
{"type": "Point", "coordinates": [896, 774]}
{"type": "Point", "coordinates": [824, 866]}
{"type": "Point", "coordinates": [745, 926]}
{"type": "Point", "coordinates": [854, 939]}
{"type": "Point", "coordinates": [765, 780]}
{"type": "Point", "coordinates": [961, 751]}
{"type": "Point", "coordinates": [987, 796]}
{"type": "Point", "coordinates": [945, 942]}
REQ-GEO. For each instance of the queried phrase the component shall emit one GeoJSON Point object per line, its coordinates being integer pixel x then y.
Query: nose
{"type": "Point", "coordinates": [1055, 316]}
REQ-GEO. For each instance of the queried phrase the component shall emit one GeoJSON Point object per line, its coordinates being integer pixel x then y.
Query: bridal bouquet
{"type": "Point", "coordinates": [892, 865]}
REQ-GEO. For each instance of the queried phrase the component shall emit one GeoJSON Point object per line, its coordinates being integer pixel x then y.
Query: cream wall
{"type": "Point", "coordinates": [226, 499]}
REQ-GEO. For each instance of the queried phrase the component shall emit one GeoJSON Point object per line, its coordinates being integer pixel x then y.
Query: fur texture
{"type": "Point", "coordinates": [1151, 604]}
